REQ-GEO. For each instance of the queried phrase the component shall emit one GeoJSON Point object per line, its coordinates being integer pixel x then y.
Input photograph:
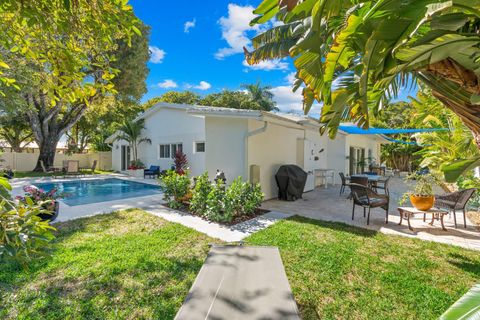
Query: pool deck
{"type": "Point", "coordinates": [152, 204]}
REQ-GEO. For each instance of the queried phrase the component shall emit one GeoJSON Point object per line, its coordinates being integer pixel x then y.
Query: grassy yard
{"type": "Point", "coordinates": [130, 265]}
{"type": "Point", "coordinates": [342, 272]}
{"type": "Point", "coordinates": [126, 265]}
{"type": "Point", "coordinates": [31, 174]}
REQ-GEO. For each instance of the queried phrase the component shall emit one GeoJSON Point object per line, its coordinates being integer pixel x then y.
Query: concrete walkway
{"type": "Point", "coordinates": [328, 205]}
{"type": "Point", "coordinates": [154, 204]}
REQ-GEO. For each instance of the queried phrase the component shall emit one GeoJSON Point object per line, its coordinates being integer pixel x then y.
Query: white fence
{"type": "Point", "coordinates": [27, 161]}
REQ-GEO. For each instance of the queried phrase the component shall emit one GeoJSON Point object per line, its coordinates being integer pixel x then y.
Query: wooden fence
{"type": "Point", "coordinates": [27, 161]}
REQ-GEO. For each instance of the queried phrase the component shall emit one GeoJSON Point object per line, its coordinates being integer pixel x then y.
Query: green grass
{"type": "Point", "coordinates": [342, 272]}
{"type": "Point", "coordinates": [131, 265]}
{"type": "Point", "coordinates": [125, 265]}
{"type": "Point", "coordinates": [31, 174]}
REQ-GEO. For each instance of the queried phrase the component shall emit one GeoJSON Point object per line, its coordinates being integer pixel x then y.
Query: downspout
{"type": "Point", "coordinates": [248, 135]}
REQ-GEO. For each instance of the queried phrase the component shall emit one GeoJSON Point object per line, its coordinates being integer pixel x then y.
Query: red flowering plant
{"type": "Point", "coordinates": [180, 162]}
{"type": "Point", "coordinates": [40, 196]}
{"type": "Point", "coordinates": [136, 165]}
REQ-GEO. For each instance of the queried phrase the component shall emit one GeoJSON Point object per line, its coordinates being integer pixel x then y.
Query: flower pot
{"type": "Point", "coordinates": [422, 203]}
{"type": "Point", "coordinates": [53, 208]}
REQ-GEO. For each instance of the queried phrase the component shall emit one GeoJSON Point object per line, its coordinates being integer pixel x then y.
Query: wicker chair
{"type": "Point", "coordinates": [383, 185]}
{"type": "Point", "coordinates": [367, 198]}
{"type": "Point", "coordinates": [455, 201]}
{"type": "Point", "coordinates": [344, 182]}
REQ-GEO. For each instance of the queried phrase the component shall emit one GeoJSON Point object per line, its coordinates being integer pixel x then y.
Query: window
{"type": "Point", "coordinates": [164, 151]}
{"type": "Point", "coordinates": [199, 146]}
{"type": "Point", "coordinates": [167, 151]}
{"type": "Point", "coordinates": [176, 147]}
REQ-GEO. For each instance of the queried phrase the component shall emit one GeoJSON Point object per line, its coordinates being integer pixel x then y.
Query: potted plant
{"type": "Point", "coordinates": [421, 195]}
{"type": "Point", "coordinates": [47, 200]}
{"type": "Point", "coordinates": [135, 169]}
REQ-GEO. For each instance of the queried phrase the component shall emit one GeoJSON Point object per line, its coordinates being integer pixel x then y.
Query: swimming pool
{"type": "Point", "coordinates": [99, 190]}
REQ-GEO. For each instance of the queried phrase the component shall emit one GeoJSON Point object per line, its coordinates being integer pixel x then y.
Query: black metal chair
{"type": "Point", "coordinates": [359, 180]}
{"type": "Point", "coordinates": [382, 185]}
{"type": "Point", "coordinates": [344, 182]}
{"type": "Point", "coordinates": [455, 201]}
{"type": "Point", "coordinates": [365, 197]}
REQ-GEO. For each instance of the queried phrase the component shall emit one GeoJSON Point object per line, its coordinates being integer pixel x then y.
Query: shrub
{"type": "Point", "coordinates": [242, 198]}
{"type": "Point", "coordinates": [215, 203]}
{"type": "Point", "coordinates": [136, 165]}
{"type": "Point", "coordinates": [200, 192]}
{"type": "Point", "coordinates": [176, 187]}
{"type": "Point", "coordinates": [23, 234]}
{"type": "Point", "coordinates": [469, 181]}
{"type": "Point", "coordinates": [180, 162]}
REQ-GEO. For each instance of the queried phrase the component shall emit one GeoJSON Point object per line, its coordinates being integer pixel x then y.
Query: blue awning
{"type": "Point", "coordinates": [352, 129]}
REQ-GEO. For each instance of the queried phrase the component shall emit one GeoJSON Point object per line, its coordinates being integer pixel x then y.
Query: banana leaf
{"type": "Point", "coordinates": [466, 308]}
{"type": "Point", "coordinates": [455, 169]}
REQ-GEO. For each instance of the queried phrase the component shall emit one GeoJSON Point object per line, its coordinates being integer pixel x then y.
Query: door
{"type": "Point", "coordinates": [357, 160]}
{"type": "Point", "coordinates": [125, 157]}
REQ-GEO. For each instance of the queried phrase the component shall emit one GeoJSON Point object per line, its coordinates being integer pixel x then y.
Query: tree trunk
{"type": "Point", "coordinates": [47, 153]}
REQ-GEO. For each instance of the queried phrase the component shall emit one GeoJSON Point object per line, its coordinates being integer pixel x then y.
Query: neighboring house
{"type": "Point", "coordinates": [248, 143]}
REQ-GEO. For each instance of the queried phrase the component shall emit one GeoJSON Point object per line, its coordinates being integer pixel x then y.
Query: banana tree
{"type": "Point", "coordinates": [355, 55]}
{"type": "Point", "coordinates": [466, 308]}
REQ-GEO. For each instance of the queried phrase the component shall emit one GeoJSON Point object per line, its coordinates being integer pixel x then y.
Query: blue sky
{"type": "Point", "coordinates": [199, 47]}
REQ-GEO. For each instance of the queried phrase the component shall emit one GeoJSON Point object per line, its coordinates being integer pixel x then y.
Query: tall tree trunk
{"type": "Point", "coordinates": [47, 153]}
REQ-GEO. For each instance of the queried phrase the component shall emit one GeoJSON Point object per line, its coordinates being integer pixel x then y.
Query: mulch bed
{"type": "Point", "coordinates": [236, 220]}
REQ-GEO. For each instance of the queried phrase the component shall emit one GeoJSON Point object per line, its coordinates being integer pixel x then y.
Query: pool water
{"type": "Point", "coordinates": [99, 190]}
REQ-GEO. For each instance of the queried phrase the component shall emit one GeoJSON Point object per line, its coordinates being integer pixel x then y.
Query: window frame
{"type": "Point", "coordinates": [195, 146]}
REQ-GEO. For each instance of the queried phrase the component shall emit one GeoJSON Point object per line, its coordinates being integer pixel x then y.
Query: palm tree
{"type": "Point", "coordinates": [261, 95]}
{"type": "Point", "coordinates": [353, 56]}
{"type": "Point", "coordinates": [131, 131]}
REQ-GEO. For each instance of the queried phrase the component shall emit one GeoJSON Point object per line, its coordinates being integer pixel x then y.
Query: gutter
{"type": "Point", "coordinates": [248, 135]}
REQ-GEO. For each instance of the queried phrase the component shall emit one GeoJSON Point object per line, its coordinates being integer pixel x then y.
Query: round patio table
{"type": "Point", "coordinates": [407, 212]}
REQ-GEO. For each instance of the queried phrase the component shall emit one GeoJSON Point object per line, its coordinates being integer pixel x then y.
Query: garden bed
{"type": "Point", "coordinates": [258, 212]}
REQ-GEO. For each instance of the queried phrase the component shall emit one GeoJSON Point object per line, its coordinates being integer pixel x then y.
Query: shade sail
{"type": "Point", "coordinates": [356, 130]}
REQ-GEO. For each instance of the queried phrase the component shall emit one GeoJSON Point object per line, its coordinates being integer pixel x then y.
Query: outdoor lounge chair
{"type": "Point", "coordinates": [92, 168]}
{"type": "Point", "coordinates": [344, 182]}
{"type": "Point", "coordinates": [73, 169]}
{"type": "Point", "coordinates": [455, 201]}
{"type": "Point", "coordinates": [367, 198]}
{"type": "Point", "coordinates": [151, 172]}
{"type": "Point", "coordinates": [49, 170]}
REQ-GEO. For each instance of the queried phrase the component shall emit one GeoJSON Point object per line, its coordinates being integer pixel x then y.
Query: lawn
{"type": "Point", "coordinates": [125, 265]}
{"type": "Point", "coordinates": [131, 265]}
{"type": "Point", "coordinates": [343, 272]}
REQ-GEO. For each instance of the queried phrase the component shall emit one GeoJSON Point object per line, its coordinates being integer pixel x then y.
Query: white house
{"type": "Point", "coordinates": [248, 143]}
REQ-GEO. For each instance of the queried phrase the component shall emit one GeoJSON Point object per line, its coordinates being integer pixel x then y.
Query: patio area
{"type": "Point", "coordinates": [328, 205]}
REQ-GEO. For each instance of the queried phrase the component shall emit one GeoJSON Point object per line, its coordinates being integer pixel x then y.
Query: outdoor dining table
{"type": "Point", "coordinates": [371, 177]}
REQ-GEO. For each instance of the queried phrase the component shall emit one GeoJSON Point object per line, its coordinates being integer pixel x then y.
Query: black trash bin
{"type": "Point", "coordinates": [291, 181]}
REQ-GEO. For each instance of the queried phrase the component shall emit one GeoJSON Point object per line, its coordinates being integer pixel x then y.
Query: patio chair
{"type": "Point", "coordinates": [49, 170]}
{"type": "Point", "coordinates": [344, 182]}
{"type": "Point", "coordinates": [151, 172]}
{"type": "Point", "coordinates": [455, 201]}
{"type": "Point", "coordinates": [359, 180]}
{"type": "Point", "coordinates": [92, 168]}
{"type": "Point", "coordinates": [383, 185]}
{"type": "Point", "coordinates": [73, 169]}
{"type": "Point", "coordinates": [367, 198]}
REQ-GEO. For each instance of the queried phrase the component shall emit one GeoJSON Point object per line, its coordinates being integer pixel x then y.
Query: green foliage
{"type": "Point", "coordinates": [423, 187]}
{"type": "Point", "coordinates": [242, 198]}
{"type": "Point", "coordinates": [15, 130]}
{"type": "Point", "coordinates": [23, 235]}
{"type": "Point", "coordinates": [203, 187]}
{"type": "Point", "coordinates": [216, 204]}
{"type": "Point", "coordinates": [466, 308]}
{"type": "Point", "coordinates": [469, 181]}
{"type": "Point", "coordinates": [175, 187]}
{"type": "Point", "coordinates": [131, 131]}
{"type": "Point", "coordinates": [261, 96]}
{"type": "Point", "coordinates": [354, 56]}
{"type": "Point", "coordinates": [185, 97]}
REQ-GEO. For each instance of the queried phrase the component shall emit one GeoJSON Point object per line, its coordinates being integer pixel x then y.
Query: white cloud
{"type": "Point", "coordinates": [168, 84]}
{"type": "Point", "coordinates": [235, 28]}
{"type": "Point", "coordinates": [203, 85]}
{"type": "Point", "coordinates": [156, 54]}
{"type": "Point", "coordinates": [267, 65]}
{"type": "Point", "coordinates": [189, 25]}
{"type": "Point", "coordinates": [286, 99]}
{"type": "Point", "coordinates": [290, 78]}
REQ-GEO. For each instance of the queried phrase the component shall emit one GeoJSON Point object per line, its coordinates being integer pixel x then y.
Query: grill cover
{"type": "Point", "coordinates": [291, 181]}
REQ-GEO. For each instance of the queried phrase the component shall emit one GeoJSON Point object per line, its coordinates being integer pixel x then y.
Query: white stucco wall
{"type": "Point", "coordinates": [271, 149]}
{"type": "Point", "coordinates": [225, 146]}
{"type": "Point", "coordinates": [336, 157]}
{"type": "Point", "coordinates": [168, 126]}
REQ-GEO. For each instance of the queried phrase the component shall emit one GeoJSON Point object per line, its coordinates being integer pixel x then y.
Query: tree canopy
{"type": "Point", "coordinates": [353, 56]}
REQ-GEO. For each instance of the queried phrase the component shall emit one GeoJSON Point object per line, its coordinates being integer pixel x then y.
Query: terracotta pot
{"type": "Point", "coordinates": [423, 203]}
